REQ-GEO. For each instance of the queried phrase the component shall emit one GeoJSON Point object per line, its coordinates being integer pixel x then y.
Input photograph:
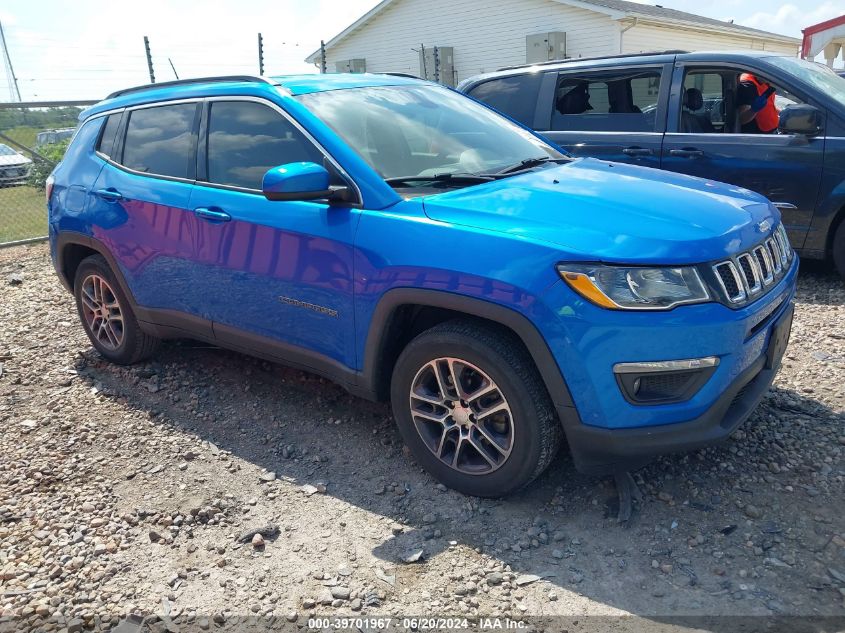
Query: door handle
{"type": "Point", "coordinates": [109, 195]}
{"type": "Point", "coordinates": [688, 152]}
{"type": "Point", "coordinates": [637, 151]}
{"type": "Point", "coordinates": [212, 214]}
{"type": "Point", "coordinates": [784, 205]}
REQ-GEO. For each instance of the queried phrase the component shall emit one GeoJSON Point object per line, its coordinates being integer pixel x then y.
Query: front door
{"type": "Point", "coordinates": [616, 115]}
{"type": "Point", "coordinates": [275, 273]}
{"type": "Point", "coordinates": [703, 139]}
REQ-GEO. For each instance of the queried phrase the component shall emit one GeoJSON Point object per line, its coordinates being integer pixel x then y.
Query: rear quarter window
{"type": "Point", "coordinates": [106, 143]}
{"type": "Point", "coordinates": [514, 96]}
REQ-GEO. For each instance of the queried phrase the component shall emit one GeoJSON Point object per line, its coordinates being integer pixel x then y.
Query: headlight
{"type": "Point", "coordinates": [635, 288]}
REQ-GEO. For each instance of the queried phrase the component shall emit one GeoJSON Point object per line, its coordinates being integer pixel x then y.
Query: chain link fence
{"type": "Point", "coordinates": [33, 138]}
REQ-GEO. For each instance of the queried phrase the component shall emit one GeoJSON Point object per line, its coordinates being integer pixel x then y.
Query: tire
{"type": "Point", "coordinates": [839, 249]}
{"type": "Point", "coordinates": [107, 316]}
{"type": "Point", "coordinates": [519, 439]}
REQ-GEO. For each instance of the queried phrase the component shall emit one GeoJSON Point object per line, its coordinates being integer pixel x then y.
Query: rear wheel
{"type": "Point", "coordinates": [472, 408]}
{"type": "Point", "coordinates": [107, 315]}
{"type": "Point", "coordinates": [839, 249]}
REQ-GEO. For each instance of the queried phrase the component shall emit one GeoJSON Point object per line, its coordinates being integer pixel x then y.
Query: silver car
{"type": "Point", "coordinates": [14, 166]}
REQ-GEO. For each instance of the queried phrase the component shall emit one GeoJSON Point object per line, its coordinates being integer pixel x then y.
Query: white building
{"type": "Point", "coordinates": [473, 36]}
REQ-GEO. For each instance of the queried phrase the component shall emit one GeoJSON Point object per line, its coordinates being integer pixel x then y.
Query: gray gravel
{"type": "Point", "coordinates": [205, 485]}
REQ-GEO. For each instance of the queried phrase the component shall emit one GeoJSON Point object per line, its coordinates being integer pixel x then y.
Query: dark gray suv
{"type": "Point", "coordinates": [678, 111]}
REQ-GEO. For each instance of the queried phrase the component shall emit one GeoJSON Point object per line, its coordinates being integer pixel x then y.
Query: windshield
{"type": "Point", "coordinates": [5, 150]}
{"type": "Point", "coordinates": [420, 131]}
{"type": "Point", "coordinates": [818, 76]}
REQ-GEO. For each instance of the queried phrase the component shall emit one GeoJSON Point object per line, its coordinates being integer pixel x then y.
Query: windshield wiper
{"type": "Point", "coordinates": [456, 178]}
{"type": "Point", "coordinates": [528, 163]}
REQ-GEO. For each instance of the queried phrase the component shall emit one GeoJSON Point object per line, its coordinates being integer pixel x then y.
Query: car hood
{"type": "Point", "coordinates": [17, 159]}
{"type": "Point", "coordinates": [596, 210]}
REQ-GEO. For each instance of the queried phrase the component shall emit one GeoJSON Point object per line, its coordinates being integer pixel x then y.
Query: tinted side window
{"type": "Point", "coordinates": [617, 101]}
{"type": "Point", "coordinates": [245, 139]}
{"type": "Point", "coordinates": [106, 144]}
{"type": "Point", "coordinates": [160, 140]}
{"type": "Point", "coordinates": [514, 96]}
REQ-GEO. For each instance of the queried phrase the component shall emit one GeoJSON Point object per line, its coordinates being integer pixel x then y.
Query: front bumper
{"type": "Point", "coordinates": [607, 433]}
{"type": "Point", "coordinates": [14, 174]}
{"type": "Point", "coordinates": [599, 451]}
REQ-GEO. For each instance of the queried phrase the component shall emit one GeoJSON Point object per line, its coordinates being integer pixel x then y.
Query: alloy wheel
{"type": "Point", "coordinates": [101, 311]}
{"type": "Point", "coordinates": [462, 416]}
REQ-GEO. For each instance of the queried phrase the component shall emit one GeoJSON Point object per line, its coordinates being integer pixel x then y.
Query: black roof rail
{"type": "Point", "coordinates": [589, 59]}
{"type": "Point", "coordinates": [195, 80]}
{"type": "Point", "coordinates": [408, 75]}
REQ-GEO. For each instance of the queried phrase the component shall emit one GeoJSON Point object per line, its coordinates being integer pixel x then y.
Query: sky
{"type": "Point", "coordinates": [83, 49]}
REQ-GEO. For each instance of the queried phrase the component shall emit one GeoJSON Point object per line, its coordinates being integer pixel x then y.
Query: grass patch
{"type": "Point", "coordinates": [25, 135]}
{"type": "Point", "coordinates": [23, 213]}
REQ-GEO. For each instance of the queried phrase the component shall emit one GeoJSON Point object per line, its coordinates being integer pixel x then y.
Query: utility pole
{"type": "Point", "coordinates": [173, 68]}
{"type": "Point", "coordinates": [13, 81]}
{"type": "Point", "coordinates": [322, 57]}
{"type": "Point", "coordinates": [149, 59]}
{"type": "Point", "coordinates": [260, 55]}
{"type": "Point", "coordinates": [436, 65]}
{"type": "Point", "coordinates": [422, 57]}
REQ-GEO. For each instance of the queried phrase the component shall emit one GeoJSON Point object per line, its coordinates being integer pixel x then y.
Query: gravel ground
{"type": "Point", "coordinates": [140, 490]}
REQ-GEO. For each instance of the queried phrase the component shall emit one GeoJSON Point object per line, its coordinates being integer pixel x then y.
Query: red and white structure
{"type": "Point", "coordinates": [826, 37]}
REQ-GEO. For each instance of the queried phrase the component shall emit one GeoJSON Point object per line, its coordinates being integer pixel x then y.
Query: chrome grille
{"type": "Point", "coordinates": [774, 250]}
{"type": "Point", "coordinates": [764, 264]}
{"type": "Point", "coordinates": [750, 273]}
{"type": "Point", "coordinates": [731, 283]}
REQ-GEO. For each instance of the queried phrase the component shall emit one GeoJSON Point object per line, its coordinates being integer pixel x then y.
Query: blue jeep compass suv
{"type": "Point", "coordinates": [411, 244]}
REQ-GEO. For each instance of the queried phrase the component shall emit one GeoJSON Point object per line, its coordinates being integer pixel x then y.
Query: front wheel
{"type": "Point", "coordinates": [473, 409]}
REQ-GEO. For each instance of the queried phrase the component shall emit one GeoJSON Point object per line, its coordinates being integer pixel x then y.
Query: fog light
{"type": "Point", "coordinates": [663, 382]}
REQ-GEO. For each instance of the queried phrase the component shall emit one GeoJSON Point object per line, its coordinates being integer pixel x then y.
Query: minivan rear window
{"type": "Point", "coordinates": [160, 140]}
{"type": "Point", "coordinates": [514, 96]}
{"type": "Point", "coordinates": [618, 101]}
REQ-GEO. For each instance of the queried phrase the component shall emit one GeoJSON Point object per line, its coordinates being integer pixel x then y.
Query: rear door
{"type": "Point", "coordinates": [706, 142]}
{"type": "Point", "coordinates": [139, 209]}
{"type": "Point", "coordinates": [616, 114]}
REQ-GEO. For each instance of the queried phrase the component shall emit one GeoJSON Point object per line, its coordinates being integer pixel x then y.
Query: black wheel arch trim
{"type": "Point", "coordinates": [378, 334]}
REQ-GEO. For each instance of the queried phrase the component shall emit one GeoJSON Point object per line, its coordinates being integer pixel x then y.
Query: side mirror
{"type": "Point", "coordinates": [801, 119]}
{"type": "Point", "coordinates": [297, 181]}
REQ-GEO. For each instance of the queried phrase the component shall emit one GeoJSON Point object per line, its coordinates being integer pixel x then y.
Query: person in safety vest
{"type": "Point", "coordinates": [756, 102]}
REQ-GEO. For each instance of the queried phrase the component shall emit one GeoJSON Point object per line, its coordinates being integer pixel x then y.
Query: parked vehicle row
{"type": "Point", "coordinates": [414, 245]}
{"type": "Point", "coordinates": [680, 112]}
